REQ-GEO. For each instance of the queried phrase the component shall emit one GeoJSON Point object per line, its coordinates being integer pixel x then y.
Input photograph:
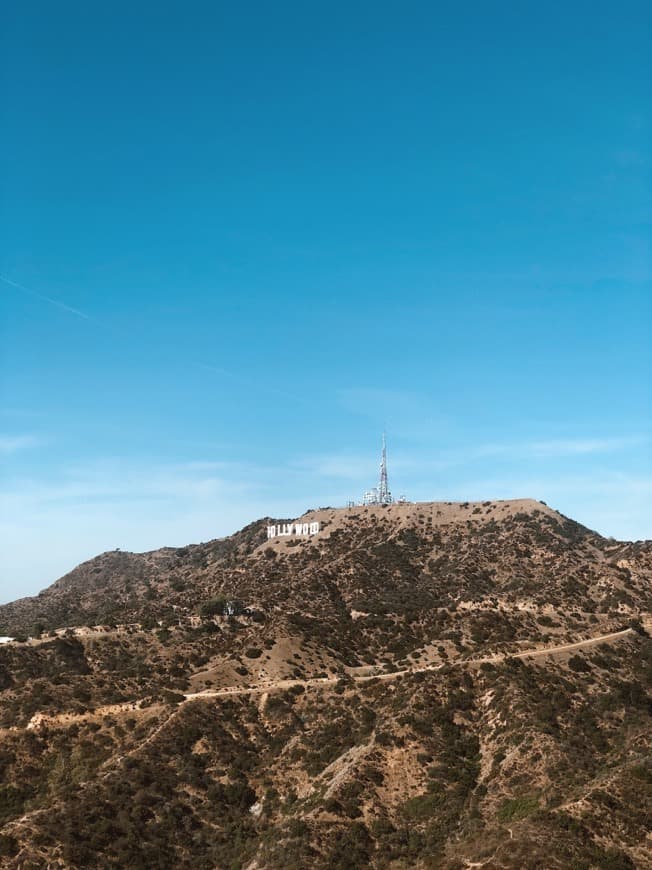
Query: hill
{"type": "Point", "coordinates": [418, 685]}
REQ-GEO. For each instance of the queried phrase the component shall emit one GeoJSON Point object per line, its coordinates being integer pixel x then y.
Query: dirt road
{"type": "Point", "coordinates": [499, 657]}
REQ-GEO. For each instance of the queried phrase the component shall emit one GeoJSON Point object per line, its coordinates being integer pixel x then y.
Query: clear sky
{"type": "Point", "coordinates": [239, 239]}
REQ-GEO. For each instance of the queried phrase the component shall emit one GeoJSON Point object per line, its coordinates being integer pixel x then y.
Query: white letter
{"type": "Point", "coordinates": [314, 528]}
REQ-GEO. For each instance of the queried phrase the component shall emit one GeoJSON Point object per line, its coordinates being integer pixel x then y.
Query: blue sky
{"type": "Point", "coordinates": [238, 240]}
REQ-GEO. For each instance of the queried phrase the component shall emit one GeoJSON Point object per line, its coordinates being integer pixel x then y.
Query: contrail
{"type": "Point", "coordinates": [43, 298]}
{"type": "Point", "coordinates": [243, 379]}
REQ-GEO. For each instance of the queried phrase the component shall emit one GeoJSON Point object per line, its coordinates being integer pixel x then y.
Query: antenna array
{"type": "Point", "coordinates": [380, 494]}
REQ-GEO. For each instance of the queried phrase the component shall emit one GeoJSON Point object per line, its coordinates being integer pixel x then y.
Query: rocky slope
{"type": "Point", "coordinates": [383, 706]}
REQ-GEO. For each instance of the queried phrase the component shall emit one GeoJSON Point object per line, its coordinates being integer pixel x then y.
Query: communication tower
{"type": "Point", "coordinates": [380, 494]}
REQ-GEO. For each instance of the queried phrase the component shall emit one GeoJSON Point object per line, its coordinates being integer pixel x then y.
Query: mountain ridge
{"type": "Point", "coordinates": [122, 580]}
{"type": "Point", "coordinates": [429, 685]}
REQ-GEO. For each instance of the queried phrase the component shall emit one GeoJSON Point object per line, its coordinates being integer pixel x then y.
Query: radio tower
{"type": "Point", "coordinates": [380, 494]}
{"type": "Point", "coordinates": [384, 495]}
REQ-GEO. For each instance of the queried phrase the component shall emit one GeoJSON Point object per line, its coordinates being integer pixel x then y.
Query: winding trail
{"type": "Point", "coordinates": [581, 644]}
{"type": "Point", "coordinates": [498, 657]}
{"type": "Point", "coordinates": [112, 765]}
{"type": "Point", "coordinates": [43, 719]}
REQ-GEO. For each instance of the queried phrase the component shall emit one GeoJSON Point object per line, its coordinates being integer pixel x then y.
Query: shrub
{"type": "Point", "coordinates": [638, 627]}
{"type": "Point", "coordinates": [578, 665]}
{"type": "Point", "coordinates": [171, 697]}
{"type": "Point", "coordinates": [12, 800]}
{"type": "Point", "coordinates": [422, 806]}
{"type": "Point", "coordinates": [213, 607]}
{"type": "Point", "coordinates": [8, 846]}
{"type": "Point", "coordinates": [513, 809]}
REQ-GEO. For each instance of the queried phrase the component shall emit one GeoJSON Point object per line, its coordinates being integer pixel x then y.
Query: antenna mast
{"type": "Point", "coordinates": [384, 495]}
{"type": "Point", "coordinates": [380, 494]}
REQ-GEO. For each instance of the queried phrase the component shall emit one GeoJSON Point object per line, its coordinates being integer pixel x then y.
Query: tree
{"type": "Point", "coordinates": [213, 607]}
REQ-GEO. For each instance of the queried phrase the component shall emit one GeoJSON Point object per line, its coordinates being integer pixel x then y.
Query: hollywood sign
{"type": "Point", "coordinates": [287, 529]}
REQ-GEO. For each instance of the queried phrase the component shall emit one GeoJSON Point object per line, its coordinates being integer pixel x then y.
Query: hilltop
{"type": "Point", "coordinates": [519, 551]}
{"type": "Point", "coordinates": [417, 685]}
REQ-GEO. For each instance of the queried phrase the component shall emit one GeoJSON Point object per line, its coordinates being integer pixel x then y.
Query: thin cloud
{"type": "Point", "coordinates": [578, 446]}
{"type": "Point", "coordinates": [217, 370]}
{"type": "Point", "coordinates": [349, 467]}
{"type": "Point", "coordinates": [57, 303]}
{"type": "Point", "coordinates": [400, 409]}
{"type": "Point", "coordinates": [19, 413]}
{"type": "Point", "coordinates": [12, 443]}
{"type": "Point", "coordinates": [557, 447]}
{"type": "Point", "coordinates": [115, 479]}
{"type": "Point", "coordinates": [88, 509]}
{"type": "Point", "coordinates": [251, 382]}
{"type": "Point", "coordinates": [353, 465]}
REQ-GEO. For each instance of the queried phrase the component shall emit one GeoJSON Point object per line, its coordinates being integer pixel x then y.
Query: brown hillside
{"type": "Point", "coordinates": [421, 685]}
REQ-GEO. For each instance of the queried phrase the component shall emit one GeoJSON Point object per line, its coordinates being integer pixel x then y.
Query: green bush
{"type": "Point", "coordinates": [8, 846]}
{"type": "Point", "coordinates": [213, 607]}
{"type": "Point", "coordinates": [422, 806]}
{"type": "Point", "coordinates": [12, 800]}
{"type": "Point", "coordinates": [513, 809]}
{"type": "Point", "coordinates": [172, 697]}
{"type": "Point", "coordinates": [578, 665]}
